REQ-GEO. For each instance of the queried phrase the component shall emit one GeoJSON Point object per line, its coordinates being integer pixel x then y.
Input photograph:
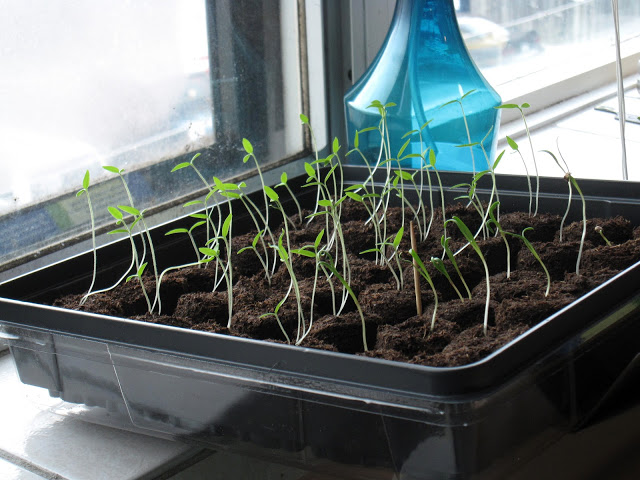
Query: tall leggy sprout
{"type": "Point", "coordinates": [572, 181]}
{"type": "Point", "coordinates": [466, 125]}
{"type": "Point", "coordinates": [514, 146]}
{"type": "Point", "coordinates": [248, 147]}
{"type": "Point", "coordinates": [425, 274]}
{"type": "Point", "coordinates": [83, 191]}
{"type": "Point", "coordinates": [521, 108]}
{"type": "Point", "coordinates": [472, 241]}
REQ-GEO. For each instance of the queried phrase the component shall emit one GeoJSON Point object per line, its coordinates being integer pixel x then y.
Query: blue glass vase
{"type": "Point", "coordinates": [423, 64]}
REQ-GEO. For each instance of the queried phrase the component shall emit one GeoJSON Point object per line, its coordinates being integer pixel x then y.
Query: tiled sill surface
{"type": "Point", "coordinates": [36, 443]}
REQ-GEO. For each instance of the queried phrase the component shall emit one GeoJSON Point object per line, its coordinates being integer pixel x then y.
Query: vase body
{"type": "Point", "coordinates": [423, 64]}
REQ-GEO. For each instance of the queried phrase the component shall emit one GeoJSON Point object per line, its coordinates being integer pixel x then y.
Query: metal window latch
{"type": "Point", "coordinates": [629, 117]}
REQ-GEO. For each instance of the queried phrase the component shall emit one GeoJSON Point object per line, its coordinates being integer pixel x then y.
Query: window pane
{"type": "Point", "coordinates": [140, 85]}
{"type": "Point", "coordinates": [559, 38]}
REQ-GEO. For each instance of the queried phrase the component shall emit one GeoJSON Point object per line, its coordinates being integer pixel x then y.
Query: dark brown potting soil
{"type": "Point", "coordinates": [393, 328]}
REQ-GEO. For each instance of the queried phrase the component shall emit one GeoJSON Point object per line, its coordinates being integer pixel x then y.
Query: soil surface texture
{"type": "Point", "coordinates": [393, 328]}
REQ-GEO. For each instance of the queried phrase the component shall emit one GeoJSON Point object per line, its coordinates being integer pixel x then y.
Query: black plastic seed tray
{"type": "Point", "coordinates": [354, 416]}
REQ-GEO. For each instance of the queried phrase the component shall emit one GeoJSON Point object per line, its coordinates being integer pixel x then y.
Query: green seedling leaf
{"type": "Point", "coordinates": [403, 147]}
{"type": "Point", "coordinates": [398, 238]}
{"type": "Point", "coordinates": [117, 230]}
{"type": "Point", "coordinates": [141, 269]}
{"type": "Point", "coordinates": [304, 253]}
{"type": "Point", "coordinates": [525, 105]}
{"type": "Point", "coordinates": [310, 171]}
{"type": "Point", "coordinates": [85, 180]}
{"type": "Point", "coordinates": [408, 134]}
{"type": "Point", "coordinates": [271, 193]}
{"type": "Point", "coordinates": [115, 213]}
{"type": "Point", "coordinates": [193, 202]}
{"type": "Point", "coordinates": [495, 164]}
{"type": "Point", "coordinates": [111, 169]}
{"type": "Point", "coordinates": [230, 195]}
{"type": "Point", "coordinates": [209, 252]}
{"type": "Point", "coordinates": [246, 158]}
{"type": "Point", "coordinates": [467, 94]}
{"type": "Point", "coordinates": [256, 239]}
{"type": "Point", "coordinates": [512, 143]}
{"type": "Point", "coordinates": [283, 178]}
{"type": "Point", "coordinates": [368, 129]}
{"type": "Point", "coordinates": [226, 225]}
{"type": "Point", "coordinates": [130, 210]}
{"type": "Point", "coordinates": [356, 140]}
{"type": "Point", "coordinates": [79, 193]}
{"type": "Point", "coordinates": [507, 105]}
{"type": "Point", "coordinates": [196, 225]}
{"type": "Point", "coordinates": [468, 145]}
{"type": "Point", "coordinates": [354, 196]}
{"type": "Point", "coordinates": [330, 173]}
{"type": "Point", "coordinates": [325, 203]}
{"type": "Point", "coordinates": [180, 166]}
{"type": "Point", "coordinates": [425, 124]}
{"type": "Point", "coordinates": [177, 230]}
{"type": "Point", "coordinates": [336, 145]}
{"type": "Point", "coordinates": [318, 239]}
{"type": "Point", "coordinates": [432, 158]}
{"type": "Point", "coordinates": [404, 175]}
{"type": "Point", "coordinates": [304, 118]}
{"type": "Point", "coordinates": [246, 144]}
{"type": "Point", "coordinates": [201, 216]}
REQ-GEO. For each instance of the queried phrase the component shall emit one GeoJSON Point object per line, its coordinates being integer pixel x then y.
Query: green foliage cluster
{"type": "Point", "coordinates": [211, 233]}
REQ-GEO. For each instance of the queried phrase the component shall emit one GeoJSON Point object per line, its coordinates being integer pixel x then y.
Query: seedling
{"type": "Point", "coordinates": [277, 309]}
{"type": "Point", "coordinates": [472, 241]}
{"type": "Point", "coordinates": [425, 274]}
{"type": "Point", "coordinates": [329, 266]}
{"type": "Point", "coordinates": [253, 210]}
{"type": "Point", "coordinates": [332, 212]}
{"type": "Point", "coordinates": [120, 172]}
{"type": "Point", "coordinates": [85, 190]}
{"type": "Point", "coordinates": [572, 181]}
{"type": "Point", "coordinates": [521, 108]}
{"type": "Point", "coordinates": [314, 251]}
{"type": "Point", "coordinates": [138, 216]}
{"type": "Point", "coordinates": [246, 144]}
{"type": "Point", "coordinates": [466, 125]}
{"type": "Point", "coordinates": [283, 183]}
{"type": "Point", "coordinates": [285, 257]}
{"type": "Point", "coordinates": [514, 146]}
{"type": "Point", "coordinates": [214, 253]}
{"type": "Point", "coordinates": [439, 265]}
{"type": "Point", "coordinates": [117, 214]}
{"type": "Point", "coordinates": [416, 274]}
{"type": "Point", "coordinates": [207, 214]}
{"type": "Point", "coordinates": [138, 275]}
{"type": "Point", "coordinates": [444, 241]}
{"type": "Point", "coordinates": [535, 254]}
{"type": "Point", "coordinates": [495, 222]}
{"type": "Point", "coordinates": [600, 231]}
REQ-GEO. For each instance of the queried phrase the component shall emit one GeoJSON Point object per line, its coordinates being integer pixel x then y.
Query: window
{"type": "Point", "coordinates": [525, 48]}
{"type": "Point", "coordinates": [140, 85]}
{"type": "Point", "coordinates": [535, 51]}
